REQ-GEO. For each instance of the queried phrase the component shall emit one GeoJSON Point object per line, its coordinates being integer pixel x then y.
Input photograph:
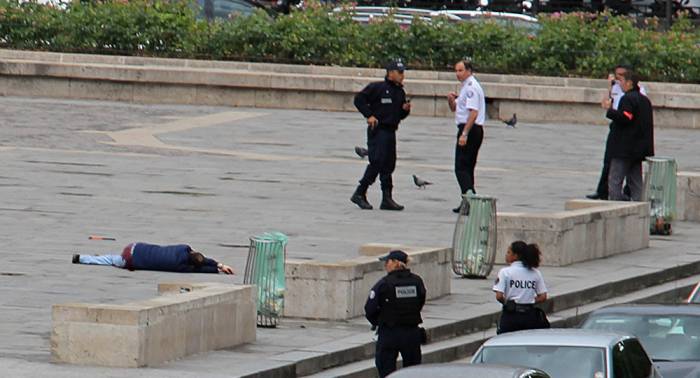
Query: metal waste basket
{"type": "Point", "coordinates": [660, 191]}
{"type": "Point", "coordinates": [265, 269]}
{"type": "Point", "coordinates": [474, 241]}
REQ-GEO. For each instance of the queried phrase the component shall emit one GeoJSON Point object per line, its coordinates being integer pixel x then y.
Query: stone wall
{"type": "Point", "coordinates": [154, 80]}
{"type": "Point", "coordinates": [587, 230]}
{"type": "Point", "coordinates": [688, 197]}
{"type": "Point", "coordinates": [338, 291]}
{"type": "Point", "coordinates": [150, 332]}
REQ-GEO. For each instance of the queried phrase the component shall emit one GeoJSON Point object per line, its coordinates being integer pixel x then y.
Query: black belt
{"type": "Point", "coordinates": [511, 306]}
{"type": "Point", "coordinates": [464, 124]}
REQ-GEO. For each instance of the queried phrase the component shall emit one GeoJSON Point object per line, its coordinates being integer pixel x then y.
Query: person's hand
{"type": "Point", "coordinates": [372, 121]}
{"type": "Point", "coordinates": [226, 269]}
{"type": "Point", "coordinates": [606, 103]}
{"type": "Point", "coordinates": [462, 141]}
{"type": "Point", "coordinates": [452, 96]}
{"type": "Point", "coordinates": [406, 106]}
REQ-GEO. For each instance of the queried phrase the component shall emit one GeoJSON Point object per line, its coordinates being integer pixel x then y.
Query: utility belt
{"type": "Point", "coordinates": [511, 306]}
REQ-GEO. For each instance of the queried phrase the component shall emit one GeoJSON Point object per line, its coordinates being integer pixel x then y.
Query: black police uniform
{"type": "Point", "coordinates": [394, 305]}
{"type": "Point", "coordinates": [384, 100]}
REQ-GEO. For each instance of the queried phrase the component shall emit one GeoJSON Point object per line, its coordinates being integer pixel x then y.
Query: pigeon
{"type": "Point", "coordinates": [511, 122]}
{"type": "Point", "coordinates": [420, 182]}
{"type": "Point", "coordinates": [361, 152]}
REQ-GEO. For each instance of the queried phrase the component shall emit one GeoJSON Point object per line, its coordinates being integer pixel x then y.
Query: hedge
{"type": "Point", "coordinates": [574, 44]}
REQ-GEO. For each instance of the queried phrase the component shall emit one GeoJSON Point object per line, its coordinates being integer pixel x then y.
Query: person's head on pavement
{"type": "Point", "coordinates": [395, 260]}
{"type": "Point", "coordinates": [196, 258]}
{"type": "Point", "coordinates": [395, 71]}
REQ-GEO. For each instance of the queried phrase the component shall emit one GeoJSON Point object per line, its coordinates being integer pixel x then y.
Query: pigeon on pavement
{"type": "Point", "coordinates": [361, 152]}
{"type": "Point", "coordinates": [511, 122]}
{"type": "Point", "coordinates": [420, 182]}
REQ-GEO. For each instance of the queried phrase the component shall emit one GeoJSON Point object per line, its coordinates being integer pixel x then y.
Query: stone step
{"type": "Point", "coordinates": [482, 319]}
{"type": "Point", "coordinates": [461, 347]}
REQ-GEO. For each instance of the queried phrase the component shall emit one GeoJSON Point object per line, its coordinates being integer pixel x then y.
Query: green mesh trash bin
{"type": "Point", "coordinates": [265, 269]}
{"type": "Point", "coordinates": [660, 191]}
{"type": "Point", "coordinates": [474, 242]}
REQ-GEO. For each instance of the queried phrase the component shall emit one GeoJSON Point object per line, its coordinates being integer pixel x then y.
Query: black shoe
{"type": "Point", "coordinates": [596, 196]}
{"type": "Point", "coordinates": [457, 209]}
{"type": "Point", "coordinates": [76, 259]}
{"type": "Point", "coordinates": [361, 201]}
{"type": "Point", "coordinates": [389, 204]}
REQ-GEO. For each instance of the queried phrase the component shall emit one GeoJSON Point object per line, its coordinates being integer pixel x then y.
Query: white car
{"type": "Point", "coordinates": [568, 353]}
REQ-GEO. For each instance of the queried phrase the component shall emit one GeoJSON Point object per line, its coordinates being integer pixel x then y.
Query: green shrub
{"type": "Point", "coordinates": [575, 44]}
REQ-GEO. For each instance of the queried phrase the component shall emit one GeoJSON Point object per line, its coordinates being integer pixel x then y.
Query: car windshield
{"type": "Point", "coordinates": [664, 337]}
{"type": "Point", "coordinates": [557, 361]}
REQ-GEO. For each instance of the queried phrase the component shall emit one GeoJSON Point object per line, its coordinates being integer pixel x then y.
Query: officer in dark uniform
{"type": "Point", "coordinates": [384, 105]}
{"type": "Point", "coordinates": [394, 305]}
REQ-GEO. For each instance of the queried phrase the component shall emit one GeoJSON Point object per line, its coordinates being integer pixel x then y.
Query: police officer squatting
{"type": "Point", "coordinates": [519, 287]}
{"type": "Point", "coordinates": [394, 309]}
{"type": "Point", "coordinates": [384, 105]}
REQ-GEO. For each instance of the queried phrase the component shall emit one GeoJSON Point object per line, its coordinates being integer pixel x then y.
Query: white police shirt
{"type": "Point", "coordinates": [519, 283]}
{"type": "Point", "coordinates": [616, 94]}
{"type": "Point", "coordinates": [471, 96]}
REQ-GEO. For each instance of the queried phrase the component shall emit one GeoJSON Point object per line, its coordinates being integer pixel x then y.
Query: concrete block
{"type": "Point", "coordinates": [378, 249]}
{"type": "Point", "coordinates": [338, 291]}
{"type": "Point", "coordinates": [587, 230]}
{"type": "Point", "coordinates": [688, 196]}
{"type": "Point", "coordinates": [150, 332]}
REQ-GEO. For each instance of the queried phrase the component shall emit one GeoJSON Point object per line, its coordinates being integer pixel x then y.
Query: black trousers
{"type": "Point", "coordinates": [603, 182]}
{"type": "Point", "coordinates": [381, 145]}
{"type": "Point", "coordinates": [465, 157]}
{"type": "Point", "coordinates": [395, 340]}
{"type": "Point", "coordinates": [512, 321]}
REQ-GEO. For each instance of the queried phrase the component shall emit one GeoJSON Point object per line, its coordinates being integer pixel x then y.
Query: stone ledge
{"type": "Point", "coordinates": [149, 332]}
{"type": "Point", "coordinates": [338, 291]}
{"type": "Point", "coordinates": [586, 230]}
{"type": "Point", "coordinates": [688, 196]}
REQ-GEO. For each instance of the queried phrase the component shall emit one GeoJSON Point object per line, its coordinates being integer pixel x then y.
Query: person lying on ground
{"type": "Point", "coordinates": [169, 258]}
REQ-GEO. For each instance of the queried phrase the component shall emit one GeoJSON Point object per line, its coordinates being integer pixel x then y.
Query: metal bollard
{"type": "Point", "coordinates": [474, 241]}
{"type": "Point", "coordinates": [660, 191]}
{"type": "Point", "coordinates": [265, 269]}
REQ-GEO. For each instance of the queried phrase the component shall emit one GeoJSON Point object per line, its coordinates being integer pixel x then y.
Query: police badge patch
{"type": "Point", "coordinates": [470, 94]}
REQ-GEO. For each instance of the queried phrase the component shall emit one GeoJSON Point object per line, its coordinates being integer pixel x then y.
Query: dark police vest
{"type": "Point", "coordinates": [402, 299]}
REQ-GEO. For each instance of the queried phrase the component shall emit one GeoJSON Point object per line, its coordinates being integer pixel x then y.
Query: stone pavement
{"type": "Point", "coordinates": [213, 176]}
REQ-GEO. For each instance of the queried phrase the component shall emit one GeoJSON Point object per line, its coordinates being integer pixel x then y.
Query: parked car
{"type": "Point", "coordinates": [211, 9]}
{"type": "Point", "coordinates": [405, 16]}
{"type": "Point", "coordinates": [567, 353]}
{"type": "Point", "coordinates": [694, 296]}
{"type": "Point", "coordinates": [457, 370]}
{"type": "Point", "coordinates": [669, 333]}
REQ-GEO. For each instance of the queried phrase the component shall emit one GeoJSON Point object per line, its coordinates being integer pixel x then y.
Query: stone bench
{"type": "Point", "coordinates": [688, 197]}
{"type": "Point", "coordinates": [187, 319]}
{"type": "Point", "coordinates": [338, 290]}
{"type": "Point", "coordinates": [586, 230]}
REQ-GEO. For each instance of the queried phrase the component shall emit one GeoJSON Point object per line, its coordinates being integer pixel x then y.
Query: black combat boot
{"type": "Point", "coordinates": [388, 202]}
{"type": "Point", "coordinates": [359, 198]}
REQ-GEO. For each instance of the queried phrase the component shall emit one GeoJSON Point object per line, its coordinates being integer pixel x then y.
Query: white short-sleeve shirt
{"type": "Point", "coordinates": [471, 96]}
{"type": "Point", "coordinates": [519, 283]}
{"type": "Point", "coordinates": [616, 94]}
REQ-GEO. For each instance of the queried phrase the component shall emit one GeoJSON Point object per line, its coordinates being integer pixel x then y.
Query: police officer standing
{"type": "Point", "coordinates": [518, 287]}
{"type": "Point", "coordinates": [394, 305]}
{"type": "Point", "coordinates": [470, 114]}
{"type": "Point", "coordinates": [384, 105]}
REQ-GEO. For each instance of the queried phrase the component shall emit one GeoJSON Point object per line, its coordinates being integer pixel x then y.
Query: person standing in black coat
{"type": "Point", "coordinates": [384, 105]}
{"type": "Point", "coordinates": [631, 139]}
{"type": "Point", "coordinates": [394, 305]}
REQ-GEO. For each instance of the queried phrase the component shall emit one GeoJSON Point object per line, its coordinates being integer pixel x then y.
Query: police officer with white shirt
{"type": "Point", "coordinates": [518, 287]}
{"type": "Point", "coordinates": [394, 305]}
{"type": "Point", "coordinates": [615, 93]}
{"type": "Point", "coordinates": [470, 114]}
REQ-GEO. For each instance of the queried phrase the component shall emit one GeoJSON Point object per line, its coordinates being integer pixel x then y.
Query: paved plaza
{"type": "Point", "coordinates": [214, 176]}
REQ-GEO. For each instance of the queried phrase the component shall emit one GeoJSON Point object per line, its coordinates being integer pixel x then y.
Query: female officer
{"type": "Point", "coordinates": [519, 287]}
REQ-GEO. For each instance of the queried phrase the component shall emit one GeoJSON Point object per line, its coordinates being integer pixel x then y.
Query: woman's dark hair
{"type": "Point", "coordinates": [529, 254]}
